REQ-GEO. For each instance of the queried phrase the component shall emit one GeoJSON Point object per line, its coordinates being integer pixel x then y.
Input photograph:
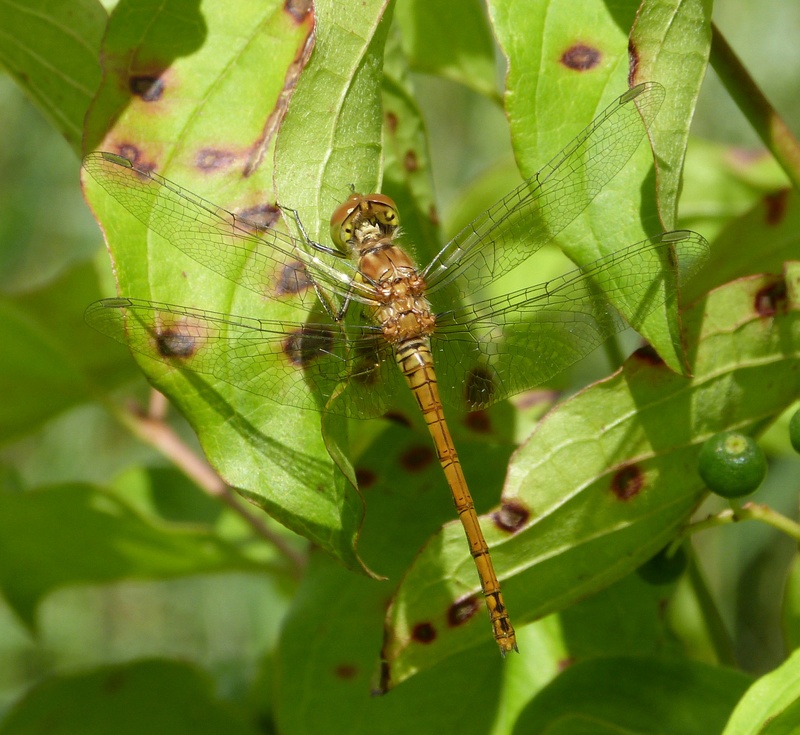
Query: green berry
{"type": "Point", "coordinates": [794, 430]}
{"type": "Point", "coordinates": [732, 464]}
{"type": "Point", "coordinates": [663, 569]}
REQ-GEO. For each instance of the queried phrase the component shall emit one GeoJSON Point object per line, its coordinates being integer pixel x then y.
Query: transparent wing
{"type": "Point", "coordinates": [502, 346]}
{"type": "Point", "coordinates": [537, 210]}
{"type": "Point", "coordinates": [344, 369]}
{"type": "Point", "coordinates": [251, 254]}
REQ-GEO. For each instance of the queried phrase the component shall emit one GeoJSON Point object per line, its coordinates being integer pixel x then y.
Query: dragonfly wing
{"type": "Point", "coordinates": [326, 366]}
{"type": "Point", "coordinates": [505, 345]}
{"type": "Point", "coordinates": [253, 255]}
{"type": "Point", "coordinates": [536, 211]}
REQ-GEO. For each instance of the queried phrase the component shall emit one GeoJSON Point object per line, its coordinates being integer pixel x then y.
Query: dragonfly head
{"type": "Point", "coordinates": [377, 210]}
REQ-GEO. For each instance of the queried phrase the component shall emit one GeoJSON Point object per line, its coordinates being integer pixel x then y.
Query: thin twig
{"type": "Point", "coordinates": [153, 430]}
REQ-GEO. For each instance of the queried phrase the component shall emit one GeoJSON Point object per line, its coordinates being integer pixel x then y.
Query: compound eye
{"type": "Point", "coordinates": [342, 221]}
{"type": "Point", "coordinates": [382, 210]}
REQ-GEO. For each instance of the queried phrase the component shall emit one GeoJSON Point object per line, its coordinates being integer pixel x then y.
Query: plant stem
{"type": "Point", "coordinates": [723, 645]}
{"type": "Point", "coordinates": [746, 512]}
{"type": "Point", "coordinates": [153, 430]}
{"type": "Point", "coordinates": [770, 127]}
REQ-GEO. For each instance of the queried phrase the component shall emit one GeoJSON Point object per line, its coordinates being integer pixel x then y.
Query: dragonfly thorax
{"type": "Point", "coordinates": [401, 308]}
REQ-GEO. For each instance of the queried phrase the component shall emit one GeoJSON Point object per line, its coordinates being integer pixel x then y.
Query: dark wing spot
{"type": "Point", "coordinates": [462, 610]}
{"type": "Point", "coordinates": [176, 341]}
{"type": "Point", "coordinates": [627, 482]}
{"type": "Point", "coordinates": [511, 517]}
{"type": "Point", "coordinates": [293, 279]}
{"type": "Point", "coordinates": [148, 88]}
{"type": "Point", "coordinates": [346, 671]}
{"type": "Point", "coordinates": [771, 299]}
{"type": "Point", "coordinates": [391, 122]}
{"type": "Point", "coordinates": [433, 215]}
{"type": "Point", "coordinates": [298, 9]}
{"type": "Point", "coordinates": [479, 422]}
{"type": "Point", "coordinates": [417, 458]}
{"type": "Point", "coordinates": [365, 478]}
{"type": "Point", "coordinates": [581, 57]}
{"type": "Point", "coordinates": [410, 161]}
{"type": "Point", "coordinates": [479, 388]}
{"type": "Point", "coordinates": [306, 344]}
{"type": "Point", "coordinates": [424, 633]}
{"type": "Point", "coordinates": [210, 159]}
{"type": "Point", "coordinates": [775, 205]}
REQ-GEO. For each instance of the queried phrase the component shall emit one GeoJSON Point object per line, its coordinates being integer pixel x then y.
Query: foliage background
{"type": "Point", "coordinates": [199, 631]}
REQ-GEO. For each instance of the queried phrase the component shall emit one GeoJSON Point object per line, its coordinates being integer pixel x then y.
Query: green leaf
{"type": "Point", "coordinates": [721, 183]}
{"type": "Point", "coordinates": [187, 116]}
{"type": "Point", "coordinates": [635, 695]}
{"type": "Point", "coordinates": [326, 688]}
{"type": "Point", "coordinates": [468, 55]}
{"type": "Point", "coordinates": [551, 49]}
{"type": "Point", "coordinates": [610, 475]}
{"type": "Point", "coordinates": [40, 378]}
{"type": "Point", "coordinates": [670, 42]}
{"type": "Point", "coordinates": [38, 549]}
{"type": "Point", "coordinates": [145, 696]}
{"type": "Point", "coordinates": [759, 241]}
{"type": "Point", "coordinates": [51, 50]}
{"type": "Point", "coordinates": [407, 176]}
{"type": "Point", "coordinates": [772, 705]}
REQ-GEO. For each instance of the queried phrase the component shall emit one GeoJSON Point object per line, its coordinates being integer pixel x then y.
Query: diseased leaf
{"type": "Point", "coordinates": [610, 475]}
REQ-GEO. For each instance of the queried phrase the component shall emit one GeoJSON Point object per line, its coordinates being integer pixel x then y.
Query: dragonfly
{"type": "Point", "coordinates": [379, 324]}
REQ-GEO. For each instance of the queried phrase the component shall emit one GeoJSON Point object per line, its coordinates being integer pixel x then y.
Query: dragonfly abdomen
{"type": "Point", "coordinates": [415, 360]}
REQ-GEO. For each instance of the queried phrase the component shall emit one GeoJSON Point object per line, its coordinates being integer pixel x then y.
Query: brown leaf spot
{"type": "Point", "coordinates": [306, 344]}
{"type": "Point", "coordinates": [581, 57]}
{"type": "Point", "coordinates": [293, 279]}
{"type": "Point", "coordinates": [346, 671]}
{"type": "Point", "coordinates": [627, 482]}
{"type": "Point", "coordinates": [211, 159]}
{"type": "Point", "coordinates": [135, 156]}
{"type": "Point", "coordinates": [297, 9]}
{"type": "Point", "coordinates": [775, 207]}
{"type": "Point", "coordinates": [260, 216]}
{"type": "Point", "coordinates": [410, 161]}
{"type": "Point", "coordinates": [479, 388]}
{"type": "Point", "coordinates": [648, 356]}
{"type": "Point", "coordinates": [398, 418]}
{"type": "Point", "coordinates": [424, 633]}
{"type": "Point", "coordinates": [462, 610]}
{"type": "Point", "coordinates": [633, 63]}
{"type": "Point", "coordinates": [511, 517]}
{"type": "Point", "coordinates": [365, 478]}
{"type": "Point", "coordinates": [771, 299]}
{"type": "Point", "coordinates": [479, 422]}
{"type": "Point", "coordinates": [148, 88]}
{"type": "Point", "coordinates": [176, 341]}
{"type": "Point", "coordinates": [367, 360]}
{"type": "Point", "coordinates": [416, 458]}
